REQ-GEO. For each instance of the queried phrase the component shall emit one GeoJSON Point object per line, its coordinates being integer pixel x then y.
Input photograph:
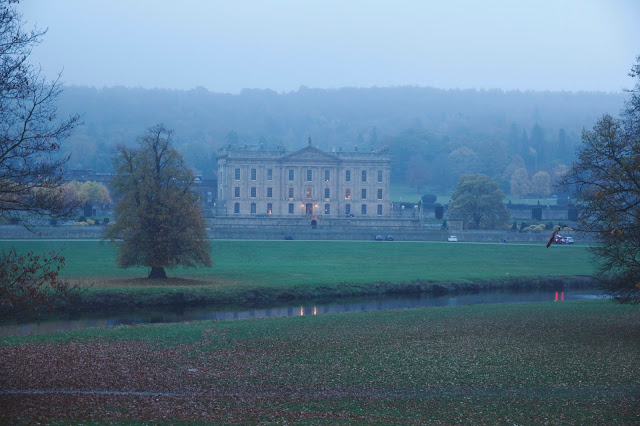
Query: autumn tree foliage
{"type": "Point", "coordinates": [86, 192]}
{"type": "Point", "coordinates": [605, 181]}
{"type": "Point", "coordinates": [31, 162]}
{"type": "Point", "coordinates": [158, 215]}
{"type": "Point", "coordinates": [477, 201]}
{"type": "Point", "coordinates": [30, 282]}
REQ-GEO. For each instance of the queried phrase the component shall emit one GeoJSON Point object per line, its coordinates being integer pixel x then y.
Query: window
{"type": "Point", "coordinates": [379, 194]}
{"type": "Point", "coordinates": [253, 192]}
{"type": "Point", "coordinates": [253, 208]}
{"type": "Point", "coordinates": [253, 174]}
{"type": "Point", "coordinates": [237, 174]}
{"type": "Point", "coordinates": [379, 209]}
{"type": "Point", "coordinates": [363, 210]}
{"type": "Point", "coordinates": [347, 209]}
{"type": "Point", "coordinates": [327, 209]}
{"type": "Point", "coordinates": [327, 175]}
{"type": "Point", "coordinates": [269, 192]}
{"type": "Point", "coordinates": [308, 192]}
{"type": "Point", "coordinates": [363, 194]}
{"type": "Point", "coordinates": [236, 208]}
{"type": "Point", "coordinates": [347, 176]}
{"type": "Point", "coordinates": [379, 175]}
{"type": "Point", "coordinates": [327, 193]}
{"type": "Point", "coordinates": [364, 175]}
{"type": "Point", "coordinates": [347, 194]}
{"type": "Point", "coordinates": [290, 193]}
{"type": "Point", "coordinates": [290, 174]}
{"type": "Point", "coordinates": [236, 192]}
{"type": "Point", "coordinates": [270, 208]}
{"type": "Point", "coordinates": [269, 174]}
{"type": "Point", "coordinates": [290, 208]}
{"type": "Point", "coordinates": [309, 175]}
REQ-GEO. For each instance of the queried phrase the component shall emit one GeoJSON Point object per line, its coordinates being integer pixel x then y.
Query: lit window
{"type": "Point", "coordinates": [237, 174]}
{"type": "Point", "coordinates": [327, 193]}
{"type": "Point", "coordinates": [290, 208]}
{"type": "Point", "coordinates": [379, 194]}
{"type": "Point", "coordinates": [364, 175]}
{"type": "Point", "coordinates": [270, 208]}
{"type": "Point", "coordinates": [253, 208]}
{"type": "Point", "coordinates": [309, 175]}
{"type": "Point", "coordinates": [290, 192]}
{"type": "Point", "coordinates": [327, 175]}
{"type": "Point", "coordinates": [308, 192]}
{"type": "Point", "coordinates": [290, 174]}
{"type": "Point", "coordinates": [236, 208]}
{"type": "Point", "coordinates": [363, 210]}
{"type": "Point", "coordinates": [253, 192]}
{"type": "Point", "coordinates": [327, 209]}
{"type": "Point", "coordinates": [379, 209]}
{"type": "Point", "coordinates": [269, 174]}
{"type": "Point", "coordinates": [269, 192]}
{"type": "Point", "coordinates": [347, 176]}
{"type": "Point", "coordinates": [236, 192]}
{"type": "Point", "coordinates": [253, 174]}
{"type": "Point", "coordinates": [347, 194]}
{"type": "Point", "coordinates": [364, 194]}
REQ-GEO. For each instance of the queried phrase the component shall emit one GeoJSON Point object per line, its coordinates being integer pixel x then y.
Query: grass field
{"type": "Point", "coordinates": [547, 363]}
{"type": "Point", "coordinates": [286, 263]}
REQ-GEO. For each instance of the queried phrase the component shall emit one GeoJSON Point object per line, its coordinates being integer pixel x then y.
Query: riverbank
{"type": "Point", "coordinates": [176, 293]}
{"type": "Point", "coordinates": [495, 364]}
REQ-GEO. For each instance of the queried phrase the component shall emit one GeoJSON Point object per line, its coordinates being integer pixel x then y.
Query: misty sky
{"type": "Point", "coordinates": [226, 46]}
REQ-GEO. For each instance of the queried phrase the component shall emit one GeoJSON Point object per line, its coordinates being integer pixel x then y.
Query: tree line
{"type": "Point", "coordinates": [433, 135]}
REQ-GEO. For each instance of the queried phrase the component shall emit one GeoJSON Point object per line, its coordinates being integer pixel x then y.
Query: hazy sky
{"type": "Point", "coordinates": [229, 45]}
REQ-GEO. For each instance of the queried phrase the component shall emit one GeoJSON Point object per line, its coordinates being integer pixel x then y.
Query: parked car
{"type": "Point", "coordinates": [389, 238]}
{"type": "Point", "coordinates": [378, 238]}
{"type": "Point", "coordinates": [288, 237]}
{"type": "Point", "coordinates": [559, 239]}
{"type": "Point", "coordinates": [452, 239]}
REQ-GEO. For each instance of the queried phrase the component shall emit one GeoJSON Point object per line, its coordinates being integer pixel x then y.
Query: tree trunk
{"type": "Point", "coordinates": [157, 272]}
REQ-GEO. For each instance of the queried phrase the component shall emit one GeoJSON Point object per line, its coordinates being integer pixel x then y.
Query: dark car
{"type": "Point", "coordinates": [288, 237]}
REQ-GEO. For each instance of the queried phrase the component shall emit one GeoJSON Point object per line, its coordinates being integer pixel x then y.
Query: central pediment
{"type": "Point", "coordinates": [312, 154]}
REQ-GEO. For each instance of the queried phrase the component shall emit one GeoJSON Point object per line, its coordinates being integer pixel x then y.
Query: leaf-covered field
{"type": "Point", "coordinates": [572, 362]}
{"type": "Point", "coordinates": [300, 263]}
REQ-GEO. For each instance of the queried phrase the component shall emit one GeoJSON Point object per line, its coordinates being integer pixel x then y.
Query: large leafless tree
{"type": "Point", "coordinates": [605, 181]}
{"type": "Point", "coordinates": [31, 160]}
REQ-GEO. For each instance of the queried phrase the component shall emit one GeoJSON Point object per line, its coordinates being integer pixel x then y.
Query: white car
{"type": "Point", "coordinates": [452, 239]}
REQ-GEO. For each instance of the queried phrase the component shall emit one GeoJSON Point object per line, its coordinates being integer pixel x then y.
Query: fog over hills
{"type": "Point", "coordinates": [424, 124]}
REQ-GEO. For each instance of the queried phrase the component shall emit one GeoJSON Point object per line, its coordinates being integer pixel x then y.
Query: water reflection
{"type": "Point", "coordinates": [342, 306]}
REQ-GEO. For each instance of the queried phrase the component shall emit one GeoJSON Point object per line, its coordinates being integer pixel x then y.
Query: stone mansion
{"type": "Point", "coordinates": [305, 183]}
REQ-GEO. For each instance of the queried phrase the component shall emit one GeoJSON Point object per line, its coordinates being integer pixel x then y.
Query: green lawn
{"type": "Point", "coordinates": [543, 363]}
{"type": "Point", "coordinates": [286, 263]}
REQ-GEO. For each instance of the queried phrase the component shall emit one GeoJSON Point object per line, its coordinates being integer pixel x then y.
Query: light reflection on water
{"type": "Point", "coordinates": [342, 306]}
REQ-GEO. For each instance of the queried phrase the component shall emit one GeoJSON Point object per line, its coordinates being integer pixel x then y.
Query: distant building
{"type": "Point", "coordinates": [308, 182]}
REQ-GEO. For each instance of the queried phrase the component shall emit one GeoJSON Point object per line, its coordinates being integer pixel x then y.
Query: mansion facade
{"type": "Point", "coordinates": [308, 182]}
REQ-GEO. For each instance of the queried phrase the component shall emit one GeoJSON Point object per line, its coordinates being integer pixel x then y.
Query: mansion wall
{"type": "Point", "coordinates": [308, 182]}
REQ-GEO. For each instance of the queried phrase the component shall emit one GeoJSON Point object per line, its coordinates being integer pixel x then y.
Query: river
{"type": "Point", "coordinates": [340, 306]}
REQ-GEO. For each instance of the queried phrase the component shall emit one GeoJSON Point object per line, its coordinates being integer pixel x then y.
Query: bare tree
{"type": "Point", "coordinates": [605, 181]}
{"type": "Point", "coordinates": [31, 161]}
{"type": "Point", "coordinates": [31, 165]}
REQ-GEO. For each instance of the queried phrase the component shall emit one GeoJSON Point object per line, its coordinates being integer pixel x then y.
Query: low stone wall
{"type": "Point", "coordinates": [298, 231]}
